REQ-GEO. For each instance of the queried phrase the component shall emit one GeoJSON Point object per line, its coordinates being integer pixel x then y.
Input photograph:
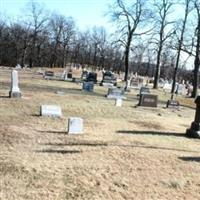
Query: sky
{"type": "Point", "coordinates": [87, 13]}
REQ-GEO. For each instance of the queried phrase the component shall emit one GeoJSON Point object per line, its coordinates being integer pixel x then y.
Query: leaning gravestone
{"type": "Point", "coordinates": [88, 86]}
{"type": "Point", "coordinates": [75, 125]}
{"type": "Point", "coordinates": [194, 130]}
{"type": "Point", "coordinates": [14, 90]}
{"type": "Point", "coordinates": [50, 111]}
{"type": "Point", "coordinates": [114, 93]}
{"type": "Point", "coordinates": [148, 100]}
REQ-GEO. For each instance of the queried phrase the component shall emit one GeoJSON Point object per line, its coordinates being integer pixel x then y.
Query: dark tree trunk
{"type": "Point", "coordinates": [196, 64]}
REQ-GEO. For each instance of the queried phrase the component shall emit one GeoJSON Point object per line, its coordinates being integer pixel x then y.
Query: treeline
{"type": "Point", "coordinates": [148, 39]}
{"type": "Point", "coordinates": [52, 40]}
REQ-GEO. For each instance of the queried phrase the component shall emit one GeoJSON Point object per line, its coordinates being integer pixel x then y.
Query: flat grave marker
{"type": "Point", "coordinates": [50, 111]}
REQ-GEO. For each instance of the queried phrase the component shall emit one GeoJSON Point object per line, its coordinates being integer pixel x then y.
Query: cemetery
{"type": "Point", "coordinates": [73, 140]}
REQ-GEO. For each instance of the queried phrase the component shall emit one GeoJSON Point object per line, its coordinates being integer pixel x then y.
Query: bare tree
{"type": "Point", "coordinates": [129, 17]}
{"type": "Point", "coordinates": [37, 20]}
{"type": "Point", "coordinates": [197, 51]}
{"type": "Point", "coordinates": [180, 44]}
{"type": "Point", "coordinates": [163, 10]}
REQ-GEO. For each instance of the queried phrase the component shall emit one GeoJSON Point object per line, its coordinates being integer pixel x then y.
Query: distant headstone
{"type": "Point", "coordinates": [88, 86]}
{"type": "Point", "coordinates": [118, 102]}
{"type": "Point", "coordinates": [18, 66]}
{"type": "Point", "coordinates": [134, 83]}
{"type": "Point", "coordinates": [50, 111]}
{"type": "Point", "coordinates": [194, 130]}
{"type": "Point", "coordinates": [144, 90]}
{"type": "Point", "coordinates": [75, 125]}
{"type": "Point", "coordinates": [114, 93]}
{"type": "Point", "coordinates": [14, 90]}
{"type": "Point", "coordinates": [69, 75]}
{"type": "Point", "coordinates": [173, 104]}
{"type": "Point", "coordinates": [91, 77]}
{"type": "Point", "coordinates": [48, 75]}
{"type": "Point", "coordinates": [63, 75]}
{"type": "Point", "coordinates": [109, 79]}
{"type": "Point", "coordinates": [148, 100]}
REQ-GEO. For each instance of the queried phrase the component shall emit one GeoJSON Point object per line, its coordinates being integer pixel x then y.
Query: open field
{"type": "Point", "coordinates": [126, 152]}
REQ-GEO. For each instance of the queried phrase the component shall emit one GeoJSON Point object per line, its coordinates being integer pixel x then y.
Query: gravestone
{"type": "Point", "coordinates": [173, 104]}
{"type": "Point", "coordinates": [109, 79]}
{"type": "Point", "coordinates": [63, 75]}
{"type": "Point", "coordinates": [18, 66]}
{"type": "Point", "coordinates": [69, 75]}
{"type": "Point", "coordinates": [14, 90]}
{"type": "Point", "coordinates": [91, 77]}
{"type": "Point", "coordinates": [75, 125]}
{"type": "Point", "coordinates": [118, 102]}
{"type": "Point", "coordinates": [114, 93]}
{"type": "Point", "coordinates": [48, 75]}
{"type": "Point", "coordinates": [134, 83]}
{"type": "Point", "coordinates": [144, 90]}
{"type": "Point", "coordinates": [88, 86]}
{"type": "Point", "coordinates": [84, 75]}
{"type": "Point", "coordinates": [194, 131]}
{"type": "Point", "coordinates": [50, 111]}
{"type": "Point", "coordinates": [148, 100]}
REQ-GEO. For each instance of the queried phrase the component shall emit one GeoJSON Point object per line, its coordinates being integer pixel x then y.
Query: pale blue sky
{"type": "Point", "coordinates": [86, 13]}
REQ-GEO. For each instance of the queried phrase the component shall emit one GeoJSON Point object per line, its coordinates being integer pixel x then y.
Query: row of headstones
{"type": "Point", "coordinates": [75, 125]}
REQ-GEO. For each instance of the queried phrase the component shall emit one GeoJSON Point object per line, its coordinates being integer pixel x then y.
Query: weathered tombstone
{"type": "Point", "coordinates": [134, 83]}
{"type": "Point", "coordinates": [173, 104]}
{"type": "Point", "coordinates": [69, 75]}
{"type": "Point", "coordinates": [194, 130]}
{"type": "Point", "coordinates": [48, 75]}
{"type": "Point", "coordinates": [84, 75]}
{"type": "Point", "coordinates": [14, 90]}
{"type": "Point", "coordinates": [88, 86]}
{"type": "Point", "coordinates": [75, 125]}
{"type": "Point", "coordinates": [109, 79]}
{"type": "Point", "coordinates": [148, 100]}
{"type": "Point", "coordinates": [114, 93]}
{"type": "Point", "coordinates": [118, 102]}
{"type": "Point", "coordinates": [144, 90]}
{"type": "Point", "coordinates": [18, 66]}
{"type": "Point", "coordinates": [50, 111]}
{"type": "Point", "coordinates": [63, 75]}
{"type": "Point", "coordinates": [91, 77]}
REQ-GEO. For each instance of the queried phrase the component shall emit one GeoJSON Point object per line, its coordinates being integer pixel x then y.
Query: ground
{"type": "Point", "coordinates": [126, 152]}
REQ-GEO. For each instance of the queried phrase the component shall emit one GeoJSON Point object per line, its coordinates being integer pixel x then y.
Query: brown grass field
{"type": "Point", "coordinates": [126, 152]}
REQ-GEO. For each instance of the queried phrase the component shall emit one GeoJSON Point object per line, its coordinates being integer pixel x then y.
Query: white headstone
{"type": "Point", "coordinates": [75, 125]}
{"type": "Point", "coordinates": [50, 111]}
{"type": "Point", "coordinates": [14, 90]}
{"type": "Point", "coordinates": [118, 102]}
{"type": "Point", "coordinates": [18, 66]}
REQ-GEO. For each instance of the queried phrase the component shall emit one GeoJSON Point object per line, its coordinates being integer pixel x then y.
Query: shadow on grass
{"type": "Point", "coordinates": [77, 144]}
{"type": "Point", "coordinates": [4, 97]}
{"type": "Point", "coordinates": [59, 151]}
{"type": "Point", "coordinates": [92, 144]}
{"type": "Point", "coordinates": [190, 159]}
{"type": "Point", "coordinates": [55, 132]}
{"type": "Point", "coordinates": [157, 133]}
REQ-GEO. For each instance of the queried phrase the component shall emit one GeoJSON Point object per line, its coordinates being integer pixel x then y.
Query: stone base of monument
{"type": "Point", "coordinates": [194, 131]}
{"type": "Point", "coordinates": [15, 94]}
{"type": "Point", "coordinates": [172, 104]}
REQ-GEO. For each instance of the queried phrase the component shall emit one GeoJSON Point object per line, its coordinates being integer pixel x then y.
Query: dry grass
{"type": "Point", "coordinates": [125, 153]}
